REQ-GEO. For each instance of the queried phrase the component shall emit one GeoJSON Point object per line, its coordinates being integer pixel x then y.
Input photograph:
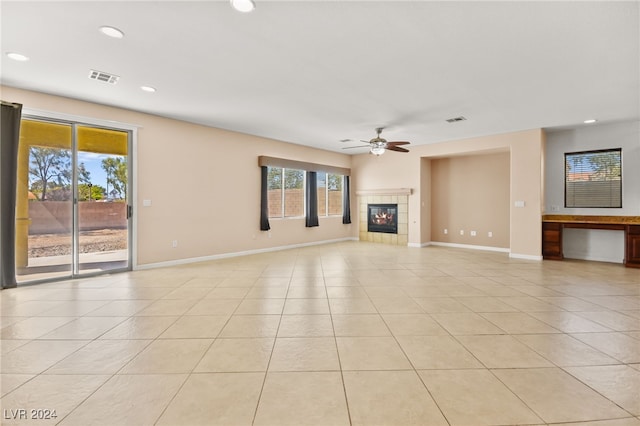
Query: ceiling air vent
{"type": "Point", "coordinates": [456, 119]}
{"type": "Point", "coordinates": [103, 76]}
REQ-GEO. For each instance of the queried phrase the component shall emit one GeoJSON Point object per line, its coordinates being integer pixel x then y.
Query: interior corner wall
{"type": "Point", "coordinates": [204, 184]}
{"type": "Point", "coordinates": [526, 194]}
{"type": "Point", "coordinates": [425, 200]}
{"type": "Point", "coordinates": [470, 200]}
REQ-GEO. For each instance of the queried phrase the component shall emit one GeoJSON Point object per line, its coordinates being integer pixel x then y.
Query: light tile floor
{"type": "Point", "coordinates": [348, 333]}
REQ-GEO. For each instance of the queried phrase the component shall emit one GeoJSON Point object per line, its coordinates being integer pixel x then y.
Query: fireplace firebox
{"type": "Point", "coordinates": [382, 218]}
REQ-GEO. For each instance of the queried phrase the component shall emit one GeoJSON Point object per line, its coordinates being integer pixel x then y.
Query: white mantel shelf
{"type": "Point", "coordinates": [390, 191]}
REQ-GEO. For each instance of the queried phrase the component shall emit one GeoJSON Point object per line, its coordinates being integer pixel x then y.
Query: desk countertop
{"type": "Point", "coordinates": [614, 220]}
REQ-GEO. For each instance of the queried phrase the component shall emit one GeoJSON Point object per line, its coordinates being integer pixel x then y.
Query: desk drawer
{"type": "Point", "coordinates": [632, 257]}
{"type": "Point", "coordinates": [552, 240]}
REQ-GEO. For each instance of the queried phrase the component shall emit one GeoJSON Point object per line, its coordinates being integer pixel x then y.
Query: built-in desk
{"type": "Point", "coordinates": [552, 226]}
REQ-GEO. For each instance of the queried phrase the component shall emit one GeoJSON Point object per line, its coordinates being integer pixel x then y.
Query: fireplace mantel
{"type": "Point", "coordinates": [389, 191]}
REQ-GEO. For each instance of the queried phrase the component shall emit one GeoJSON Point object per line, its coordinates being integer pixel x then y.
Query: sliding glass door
{"type": "Point", "coordinates": [44, 205]}
{"type": "Point", "coordinates": [73, 215]}
{"type": "Point", "coordinates": [102, 209]}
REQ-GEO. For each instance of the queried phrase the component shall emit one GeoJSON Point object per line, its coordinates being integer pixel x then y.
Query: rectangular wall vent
{"type": "Point", "coordinates": [456, 119]}
{"type": "Point", "coordinates": [103, 76]}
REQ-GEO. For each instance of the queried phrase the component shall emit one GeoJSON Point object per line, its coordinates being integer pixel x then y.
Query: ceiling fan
{"type": "Point", "coordinates": [378, 145]}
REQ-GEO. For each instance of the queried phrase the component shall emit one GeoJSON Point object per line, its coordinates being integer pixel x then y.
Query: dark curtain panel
{"type": "Point", "coordinates": [312, 199]}
{"type": "Point", "coordinates": [10, 124]}
{"type": "Point", "coordinates": [264, 201]}
{"type": "Point", "coordinates": [346, 201]}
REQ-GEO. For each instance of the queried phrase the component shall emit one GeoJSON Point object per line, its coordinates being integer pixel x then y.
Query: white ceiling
{"type": "Point", "coordinates": [316, 72]}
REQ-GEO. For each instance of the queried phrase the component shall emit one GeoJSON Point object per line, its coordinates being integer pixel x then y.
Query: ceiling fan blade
{"type": "Point", "coordinates": [397, 149]}
{"type": "Point", "coordinates": [358, 146]}
{"type": "Point", "coordinates": [398, 143]}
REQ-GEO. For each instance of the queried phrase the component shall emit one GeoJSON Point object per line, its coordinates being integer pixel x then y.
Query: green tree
{"type": "Point", "coordinates": [116, 169]}
{"type": "Point", "coordinates": [84, 175]}
{"type": "Point", "coordinates": [293, 179]}
{"type": "Point", "coordinates": [334, 182]}
{"type": "Point", "coordinates": [606, 165]}
{"type": "Point", "coordinates": [48, 167]}
{"type": "Point", "coordinates": [90, 192]}
{"type": "Point", "coordinates": [274, 177]}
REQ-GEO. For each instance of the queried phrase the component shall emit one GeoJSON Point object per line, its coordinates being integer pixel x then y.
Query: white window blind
{"type": "Point", "coordinates": [593, 179]}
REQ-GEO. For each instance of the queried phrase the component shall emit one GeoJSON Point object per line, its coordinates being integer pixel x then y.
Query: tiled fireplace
{"type": "Point", "coordinates": [384, 215]}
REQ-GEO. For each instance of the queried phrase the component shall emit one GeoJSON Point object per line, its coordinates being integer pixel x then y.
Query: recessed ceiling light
{"type": "Point", "coordinates": [111, 32]}
{"type": "Point", "coordinates": [590, 121]}
{"type": "Point", "coordinates": [148, 89]}
{"type": "Point", "coordinates": [243, 5]}
{"type": "Point", "coordinates": [17, 56]}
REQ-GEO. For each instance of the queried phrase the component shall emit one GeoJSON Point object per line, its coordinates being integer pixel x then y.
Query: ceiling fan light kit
{"type": "Point", "coordinates": [377, 146]}
{"type": "Point", "coordinates": [377, 150]}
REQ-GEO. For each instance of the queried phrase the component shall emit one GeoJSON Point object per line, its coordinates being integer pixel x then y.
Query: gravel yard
{"type": "Point", "coordinates": [100, 240]}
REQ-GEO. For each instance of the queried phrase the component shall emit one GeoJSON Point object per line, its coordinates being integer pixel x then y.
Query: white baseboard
{"type": "Point", "coordinates": [236, 254]}
{"type": "Point", "coordinates": [418, 245]}
{"type": "Point", "coordinates": [470, 246]}
{"type": "Point", "coordinates": [315, 243]}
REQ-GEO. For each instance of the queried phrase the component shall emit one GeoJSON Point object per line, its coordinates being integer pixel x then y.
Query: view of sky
{"type": "Point", "coordinates": [93, 163]}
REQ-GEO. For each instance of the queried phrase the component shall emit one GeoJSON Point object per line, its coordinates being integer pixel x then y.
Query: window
{"type": "Point", "coordinates": [593, 179]}
{"type": "Point", "coordinates": [329, 194]}
{"type": "Point", "coordinates": [334, 194]}
{"type": "Point", "coordinates": [285, 192]}
{"type": "Point", "coordinates": [322, 194]}
{"type": "Point", "coordinates": [293, 193]}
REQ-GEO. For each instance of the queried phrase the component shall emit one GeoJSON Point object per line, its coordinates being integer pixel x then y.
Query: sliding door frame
{"type": "Point", "coordinates": [131, 200]}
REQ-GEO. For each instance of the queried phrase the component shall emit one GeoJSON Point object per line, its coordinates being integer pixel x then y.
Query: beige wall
{"type": "Point", "coordinates": [413, 170]}
{"type": "Point", "coordinates": [471, 193]}
{"type": "Point", "coordinates": [204, 184]}
{"type": "Point", "coordinates": [195, 175]}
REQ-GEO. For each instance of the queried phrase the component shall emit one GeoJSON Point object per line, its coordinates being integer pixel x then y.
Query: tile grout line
{"type": "Point", "coordinates": [275, 338]}
{"type": "Point", "coordinates": [335, 342]}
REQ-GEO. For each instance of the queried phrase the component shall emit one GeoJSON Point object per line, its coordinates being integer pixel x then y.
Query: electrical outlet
{"type": "Point", "coordinates": [461, 232]}
{"type": "Point", "coordinates": [446, 231]}
{"type": "Point", "coordinates": [490, 234]}
{"type": "Point", "coordinates": [555, 208]}
{"type": "Point", "coordinates": [473, 233]}
{"type": "Point", "coordinates": [174, 243]}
